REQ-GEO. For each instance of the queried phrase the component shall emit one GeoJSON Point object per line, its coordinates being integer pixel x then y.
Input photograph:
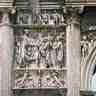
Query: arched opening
{"type": "Point", "coordinates": [88, 70]}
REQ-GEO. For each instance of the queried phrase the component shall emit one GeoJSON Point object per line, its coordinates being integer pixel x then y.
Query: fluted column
{"type": "Point", "coordinates": [73, 51]}
{"type": "Point", "coordinates": [6, 54]}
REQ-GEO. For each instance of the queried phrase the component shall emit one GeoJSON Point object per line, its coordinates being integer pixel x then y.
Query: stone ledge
{"type": "Point", "coordinates": [86, 92]}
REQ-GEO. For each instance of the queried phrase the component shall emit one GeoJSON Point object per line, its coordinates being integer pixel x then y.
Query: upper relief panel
{"type": "Point", "coordinates": [42, 12]}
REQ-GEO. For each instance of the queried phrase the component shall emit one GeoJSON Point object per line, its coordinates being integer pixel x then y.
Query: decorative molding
{"type": "Point", "coordinates": [38, 57]}
{"type": "Point", "coordinates": [73, 14]}
{"type": "Point", "coordinates": [81, 2]}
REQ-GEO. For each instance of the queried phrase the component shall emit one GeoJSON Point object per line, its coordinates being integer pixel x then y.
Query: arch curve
{"type": "Point", "coordinates": [87, 68]}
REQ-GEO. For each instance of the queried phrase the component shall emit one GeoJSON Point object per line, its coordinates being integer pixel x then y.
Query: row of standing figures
{"type": "Point", "coordinates": [53, 19]}
{"type": "Point", "coordinates": [86, 46]}
{"type": "Point", "coordinates": [44, 18]}
{"type": "Point", "coordinates": [45, 53]}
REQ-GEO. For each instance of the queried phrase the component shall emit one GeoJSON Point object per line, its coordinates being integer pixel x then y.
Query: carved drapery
{"type": "Point", "coordinates": [88, 41]}
{"type": "Point", "coordinates": [39, 61]}
{"type": "Point", "coordinates": [44, 17]}
{"type": "Point", "coordinates": [38, 51]}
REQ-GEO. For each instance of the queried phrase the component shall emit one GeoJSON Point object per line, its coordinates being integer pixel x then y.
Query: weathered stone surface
{"type": "Point", "coordinates": [6, 55]}
{"type": "Point", "coordinates": [73, 53]}
{"type": "Point", "coordinates": [73, 59]}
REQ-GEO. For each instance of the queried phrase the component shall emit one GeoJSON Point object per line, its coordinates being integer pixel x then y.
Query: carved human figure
{"type": "Point", "coordinates": [46, 79]}
{"type": "Point", "coordinates": [40, 20]}
{"type": "Point", "coordinates": [90, 44]}
{"type": "Point", "coordinates": [84, 46]}
{"type": "Point", "coordinates": [29, 83]}
{"type": "Point", "coordinates": [36, 54]}
{"type": "Point", "coordinates": [52, 79]}
{"type": "Point", "coordinates": [20, 82]}
{"type": "Point", "coordinates": [24, 42]}
{"type": "Point", "coordinates": [48, 49]}
{"type": "Point", "coordinates": [18, 52]}
{"type": "Point", "coordinates": [54, 51]}
{"type": "Point", "coordinates": [56, 17]}
{"type": "Point", "coordinates": [60, 49]}
{"type": "Point", "coordinates": [57, 51]}
{"type": "Point", "coordinates": [23, 18]}
{"type": "Point", "coordinates": [56, 80]}
{"type": "Point", "coordinates": [42, 50]}
{"type": "Point", "coordinates": [35, 19]}
{"type": "Point", "coordinates": [45, 18]}
{"type": "Point", "coordinates": [28, 54]}
{"type": "Point", "coordinates": [62, 19]}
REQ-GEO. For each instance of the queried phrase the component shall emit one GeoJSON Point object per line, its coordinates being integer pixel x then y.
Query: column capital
{"type": "Point", "coordinates": [73, 14]}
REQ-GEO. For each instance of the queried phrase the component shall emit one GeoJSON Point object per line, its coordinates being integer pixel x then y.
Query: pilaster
{"type": "Point", "coordinates": [6, 54]}
{"type": "Point", "coordinates": [73, 50]}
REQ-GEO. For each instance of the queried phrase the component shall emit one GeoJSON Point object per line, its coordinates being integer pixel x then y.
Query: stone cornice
{"type": "Point", "coordinates": [81, 2]}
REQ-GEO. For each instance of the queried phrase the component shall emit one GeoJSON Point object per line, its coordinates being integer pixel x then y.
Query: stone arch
{"type": "Point", "coordinates": [87, 68]}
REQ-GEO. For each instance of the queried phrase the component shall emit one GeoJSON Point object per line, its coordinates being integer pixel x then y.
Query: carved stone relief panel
{"type": "Point", "coordinates": [40, 49]}
{"type": "Point", "coordinates": [40, 58]}
{"type": "Point", "coordinates": [44, 17]}
{"type": "Point", "coordinates": [53, 79]}
{"type": "Point", "coordinates": [40, 79]}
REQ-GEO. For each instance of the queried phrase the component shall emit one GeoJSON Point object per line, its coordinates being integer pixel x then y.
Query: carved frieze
{"type": "Point", "coordinates": [44, 50]}
{"type": "Point", "coordinates": [40, 58]}
{"type": "Point", "coordinates": [40, 79]}
{"type": "Point", "coordinates": [52, 17]}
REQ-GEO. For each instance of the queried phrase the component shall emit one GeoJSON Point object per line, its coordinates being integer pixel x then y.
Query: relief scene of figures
{"type": "Point", "coordinates": [40, 79]}
{"type": "Point", "coordinates": [40, 49]}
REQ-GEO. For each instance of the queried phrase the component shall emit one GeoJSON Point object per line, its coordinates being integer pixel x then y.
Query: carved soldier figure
{"type": "Point", "coordinates": [28, 54]}
{"type": "Point", "coordinates": [42, 49]}
{"type": "Point", "coordinates": [62, 19]}
{"type": "Point", "coordinates": [84, 46]}
{"type": "Point", "coordinates": [56, 17]}
{"type": "Point", "coordinates": [45, 18]}
{"type": "Point", "coordinates": [46, 79]}
{"type": "Point", "coordinates": [29, 82]}
{"type": "Point", "coordinates": [23, 18]}
{"type": "Point", "coordinates": [56, 79]}
{"type": "Point", "coordinates": [20, 82]}
{"type": "Point", "coordinates": [18, 53]}
{"type": "Point", "coordinates": [57, 51]}
{"type": "Point", "coordinates": [60, 49]}
{"type": "Point", "coordinates": [36, 54]}
{"type": "Point", "coordinates": [48, 49]}
{"type": "Point", "coordinates": [25, 39]}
